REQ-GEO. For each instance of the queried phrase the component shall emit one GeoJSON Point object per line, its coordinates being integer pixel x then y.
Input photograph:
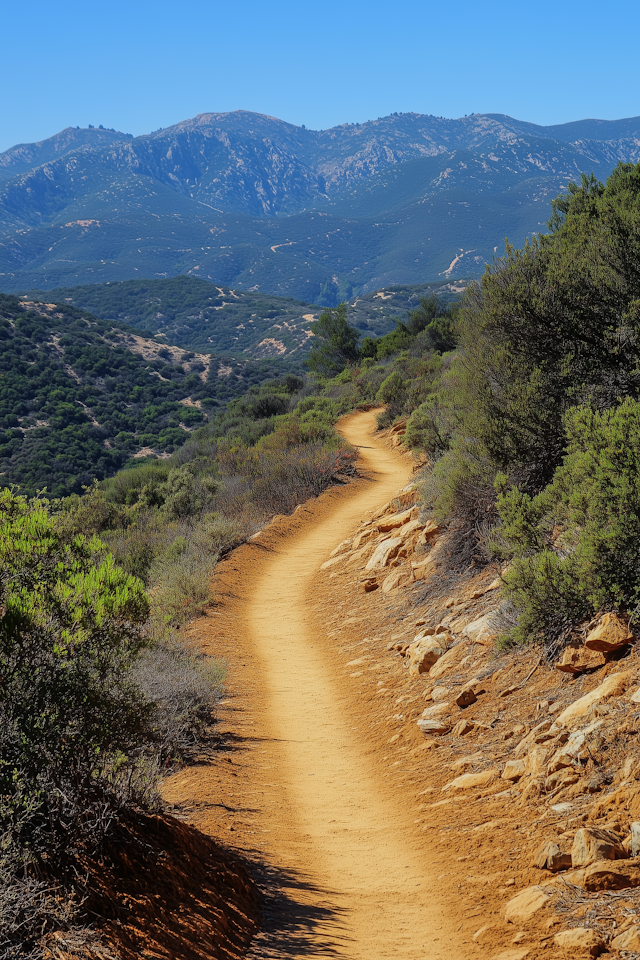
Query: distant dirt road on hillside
{"type": "Point", "coordinates": [335, 834]}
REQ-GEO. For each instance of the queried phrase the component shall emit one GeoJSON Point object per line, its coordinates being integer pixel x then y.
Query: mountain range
{"type": "Point", "coordinates": [251, 202]}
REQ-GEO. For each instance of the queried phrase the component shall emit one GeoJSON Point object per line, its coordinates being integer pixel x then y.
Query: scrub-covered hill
{"type": "Point", "coordinates": [198, 315]}
{"type": "Point", "coordinates": [80, 396]}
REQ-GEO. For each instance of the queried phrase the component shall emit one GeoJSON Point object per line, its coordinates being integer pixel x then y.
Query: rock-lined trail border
{"type": "Point", "coordinates": [344, 874]}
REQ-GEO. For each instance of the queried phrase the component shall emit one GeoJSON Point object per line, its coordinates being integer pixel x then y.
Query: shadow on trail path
{"type": "Point", "coordinates": [299, 918]}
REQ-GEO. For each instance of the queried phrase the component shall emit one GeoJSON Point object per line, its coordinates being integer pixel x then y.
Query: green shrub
{"type": "Point", "coordinates": [141, 484]}
{"type": "Point", "coordinates": [393, 389]}
{"type": "Point", "coordinates": [576, 544]}
{"type": "Point", "coordinates": [426, 429]}
{"type": "Point", "coordinates": [335, 343]}
{"type": "Point", "coordinates": [186, 495]}
{"type": "Point", "coordinates": [69, 632]}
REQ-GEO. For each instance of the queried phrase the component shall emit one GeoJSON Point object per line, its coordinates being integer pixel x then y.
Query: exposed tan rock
{"type": "Point", "coordinates": [409, 532]}
{"type": "Point", "coordinates": [526, 904]}
{"type": "Point", "coordinates": [396, 520]}
{"type": "Point", "coordinates": [578, 659]}
{"type": "Point", "coordinates": [422, 569]}
{"type": "Point", "coordinates": [447, 661]}
{"type": "Point", "coordinates": [436, 711]}
{"type": "Point", "coordinates": [629, 940]}
{"type": "Point", "coordinates": [608, 875]}
{"type": "Point", "coordinates": [439, 693]}
{"type": "Point", "coordinates": [400, 426]}
{"type": "Point", "coordinates": [462, 727]}
{"type": "Point", "coordinates": [485, 933]}
{"type": "Point", "coordinates": [341, 548]}
{"type": "Point", "coordinates": [392, 581]}
{"type": "Point", "coordinates": [384, 553]}
{"type": "Point", "coordinates": [512, 953]}
{"type": "Point", "coordinates": [467, 761]}
{"type": "Point", "coordinates": [635, 839]}
{"type": "Point", "coordinates": [467, 781]}
{"type": "Point", "coordinates": [539, 734]}
{"type": "Point", "coordinates": [424, 652]}
{"type": "Point", "coordinates": [549, 856]}
{"type": "Point", "coordinates": [611, 687]}
{"type": "Point", "coordinates": [580, 942]}
{"type": "Point", "coordinates": [436, 727]}
{"type": "Point", "coordinates": [363, 538]}
{"type": "Point", "coordinates": [611, 633]}
{"type": "Point", "coordinates": [481, 630]}
{"type": "Point", "coordinates": [355, 559]}
{"type": "Point", "coordinates": [333, 561]}
{"type": "Point", "coordinates": [514, 769]}
{"type": "Point", "coordinates": [593, 843]}
{"type": "Point", "coordinates": [407, 498]}
{"type": "Point", "coordinates": [430, 532]}
{"type": "Point", "coordinates": [536, 760]}
{"type": "Point", "coordinates": [399, 642]}
{"type": "Point", "coordinates": [563, 778]}
{"type": "Point", "coordinates": [470, 692]}
{"type": "Point", "coordinates": [574, 749]}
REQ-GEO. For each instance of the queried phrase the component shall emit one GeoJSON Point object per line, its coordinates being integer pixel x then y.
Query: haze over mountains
{"type": "Point", "coordinates": [254, 203]}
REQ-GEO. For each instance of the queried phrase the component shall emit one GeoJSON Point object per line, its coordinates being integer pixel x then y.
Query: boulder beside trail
{"type": "Point", "coordinates": [549, 856]}
{"type": "Point", "coordinates": [580, 942]}
{"type": "Point", "coordinates": [629, 940]}
{"type": "Point", "coordinates": [526, 904]}
{"type": "Point", "coordinates": [467, 781]}
{"type": "Point", "coordinates": [481, 630]}
{"type": "Point", "coordinates": [435, 727]}
{"type": "Point", "coordinates": [578, 659]}
{"type": "Point", "coordinates": [514, 769]}
{"type": "Point", "coordinates": [611, 634]}
{"type": "Point", "coordinates": [424, 652]}
{"type": "Point", "coordinates": [384, 553]}
{"type": "Point", "coordinates": [592, 843]}
{"type": "Point", "coordinates": [470, 692]}
{"type": "Point", "coordinates": [611, 687]}
{"type": "Point", "coordinates": [605, 875]}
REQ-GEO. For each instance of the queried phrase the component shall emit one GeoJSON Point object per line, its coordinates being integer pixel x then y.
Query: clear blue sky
{"type": "Point", "coordinates": [139, 65]}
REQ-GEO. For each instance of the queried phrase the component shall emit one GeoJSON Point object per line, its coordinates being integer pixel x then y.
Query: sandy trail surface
{"type": "Point", "coordinates": [335, 838]}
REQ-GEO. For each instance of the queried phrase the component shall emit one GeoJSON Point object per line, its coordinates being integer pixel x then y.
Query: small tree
{"type": "Point", "coordinates": [335, 344]}
{"type": "Point", "coordinates": [576, 545]}
{"type": "Point", "coordinates": [69, 715]}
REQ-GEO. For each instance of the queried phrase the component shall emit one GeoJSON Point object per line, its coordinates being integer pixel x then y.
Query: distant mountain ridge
{"type": "Point", "coordinates": [25, 156]}
{"type": "Point", "coordinates": [253, 202]}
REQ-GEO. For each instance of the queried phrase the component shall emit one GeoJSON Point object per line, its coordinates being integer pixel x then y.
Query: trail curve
{"type": "Point", "coordinates": [328, 817]}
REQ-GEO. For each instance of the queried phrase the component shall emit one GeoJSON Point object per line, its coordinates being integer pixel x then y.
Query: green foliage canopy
{"type": "Point", "coordinates": [554, 325]}
{"type": "Point", "coordinates": [335, 343]}
{"type": "Point", "coordinates": [70, 628]}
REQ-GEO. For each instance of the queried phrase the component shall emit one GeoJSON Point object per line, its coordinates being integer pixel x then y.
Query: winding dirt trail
{"type": "Point", "coordinates": [338, 838]}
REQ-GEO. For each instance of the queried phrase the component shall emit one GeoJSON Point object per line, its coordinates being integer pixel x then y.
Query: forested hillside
{"type": "Point", "coordinates": [197, 315]}
{"type": "Point", "coordinates": [80, 396]}
{"type": "Point", "coordinates": [253, 203]}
